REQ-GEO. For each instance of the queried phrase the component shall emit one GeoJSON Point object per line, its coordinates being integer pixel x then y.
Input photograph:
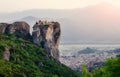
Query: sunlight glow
{"type": "Point", "coordinates": [20, 5]}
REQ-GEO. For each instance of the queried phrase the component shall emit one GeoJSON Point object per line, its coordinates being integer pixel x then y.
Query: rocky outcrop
{"type": "Point", "coordinates": [47, 35]}
{"type": "Point", "coordinates": [19, 29]}
{"type": "Point", "coordinates": [6, 54]}
{"type": "Point", "coordinates": [3, 27]}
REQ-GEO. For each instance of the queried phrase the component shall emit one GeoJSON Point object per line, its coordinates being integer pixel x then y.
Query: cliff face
{"type": "Point", "coordinates": [3, 27]}
{"type": "Point", "coordinates": [19, 29]}
{"type": "Point", "coordinates": [47, 35]}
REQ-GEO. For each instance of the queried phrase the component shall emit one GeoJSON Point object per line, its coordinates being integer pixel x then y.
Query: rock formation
{"type": "Point", "coordinates": [6, 54]}
{"type": "Point", "coordinates": [3, 27]}
{"type": "Point", "coordinates": [47, 35]}
{"type": "Point", "coordinates": [19, 29]}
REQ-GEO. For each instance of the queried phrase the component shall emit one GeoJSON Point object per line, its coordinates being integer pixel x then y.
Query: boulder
{"type": "Point", "coordinates": [6, 54]}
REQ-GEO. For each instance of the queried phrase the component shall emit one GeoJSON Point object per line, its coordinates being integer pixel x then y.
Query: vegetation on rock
{"type": "Point", "coordinates": [29, 60]}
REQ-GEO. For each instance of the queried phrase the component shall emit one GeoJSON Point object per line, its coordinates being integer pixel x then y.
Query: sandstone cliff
{"type": "Point", "coordinates": [3, 27]}
{"type": "Point", "coordinates": [47, 35]}
{"type": "Point", "coordinates": [19, 29]}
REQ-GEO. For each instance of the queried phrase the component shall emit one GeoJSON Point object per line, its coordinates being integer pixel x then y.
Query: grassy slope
{"type": "Point", "coordinates": [29, 60]}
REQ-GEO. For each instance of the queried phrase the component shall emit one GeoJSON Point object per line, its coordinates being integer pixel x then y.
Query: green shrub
{"type": "Point", "coordinates": [111, 69]}
{"type": "Point", "coordinates": [29, 60]}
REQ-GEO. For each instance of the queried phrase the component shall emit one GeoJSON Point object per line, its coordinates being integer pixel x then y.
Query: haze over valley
{"type": "Point", "coordinates": [93, 23]}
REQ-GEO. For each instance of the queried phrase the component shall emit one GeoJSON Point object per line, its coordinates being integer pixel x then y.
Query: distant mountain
{"type": "Point", "coordinates": [94, 23]}
{"type": "Point", "coordinates": [87, 51]}
{"type": "Point", "coordinates": [30, 18]}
